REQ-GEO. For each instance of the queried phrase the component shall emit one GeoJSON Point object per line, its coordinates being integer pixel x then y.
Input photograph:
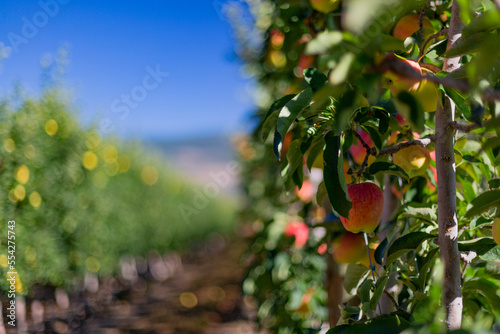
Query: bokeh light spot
{"type": "Point", "coordinates": [149, 175]}
{"type": "Point", "coordinates": [188, 299]}
{"type": "Point", "coordinates": [89, 160]}
{"type": "Point", "coordinates": [51, 127]}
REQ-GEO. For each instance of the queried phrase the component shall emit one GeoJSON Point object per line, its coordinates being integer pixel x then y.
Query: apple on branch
{"type": "Point", "coordinates": [414, 160]}
{"type": "Point", "coordinates": [358, 152]}
{"type": "Point", "coordinates": [405, 78]}
{"type": "Point", "coordinates": [349, 248]}
{"type": "Point", "coordinates": [408, 25]}
{"type": "Point", "coordinates": [367, 206]}
{"type": "Point", "coordinates": [300, 231]}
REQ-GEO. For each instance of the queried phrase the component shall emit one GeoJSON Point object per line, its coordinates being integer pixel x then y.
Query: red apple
{"type": "Point", "coordinates": [307, 192]}
{"type": "Point", "coordinates": [322, 249]}
{"type": "Point", "coordinates": [408, 25]}
{"type": "Point", "coordinates": [276, 37]}
{"type": "Point", "coordinates": [300, 231]}
{"type": "Point", "coordinates": [358, 152]}
{"type": "Point", "coordinates": [349, 248]}
{"type": "Point", "coordinates": [397, 83]}
{"type": "Point", "coordinates": [367, 206]}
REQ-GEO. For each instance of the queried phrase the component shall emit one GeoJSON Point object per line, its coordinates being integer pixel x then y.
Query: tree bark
{"type": "Point", "coordinates": [391, 203]}
{"type": "Point", "coordinates": [447, 211]}
{"type": "Point", "coordinates": [335, 286]}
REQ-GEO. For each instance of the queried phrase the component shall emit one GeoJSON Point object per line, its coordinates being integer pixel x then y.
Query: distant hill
{"type": "Point", "coordinates": [198, 157]}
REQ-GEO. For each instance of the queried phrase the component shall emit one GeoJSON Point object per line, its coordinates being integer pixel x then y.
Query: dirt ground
{"type": "Point", "coordinates": [202, 295]}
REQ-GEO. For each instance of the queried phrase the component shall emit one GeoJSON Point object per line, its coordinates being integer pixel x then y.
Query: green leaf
{"type": "Point", "coordinates": [353, 275]}
{"type": "Point", "coordinates": [379, 252]}
{"type": "Point", "coordinates": [468, 44]}
{"type": "Point", "coordinates": [479, 245]}
{"type": "Point", "coordinates": [483, 203]}
{"type": "Point", "coordinates": [387, 168]}
{"type": "Point", "coordinates": [333, 175]}
{"type": "Point", "coordinates": [494, 183]}
{"type": "Point", "coordinates": [315, 151]}
{"type": "Point", "coordinates": [288, 114]}
{"type": "Point", "coordinates": [315, 78]}
{"type": "Point", "coordinates": [492, 255]}
{"type": "Point", "coordinates": [388, 324]}
{"type": "Point", "coordinates": [340, 73]}
{"type": "Point", "coordinates": [424, 266]}
{"type": "Point", "coordinates": [384, 118]}
{"type": "Point", "coordinates": [348, 139]}
{"type": "Point", "coordinates": [272, 115]}
{"type": "Point", "coordinates": [460, 101]}
{"type": "Point", "coordinates": [294, 156]}
{"type": "Point", "coordinates": [471, 158]}
{"type": "Point", "coordinates": [375, 136]}
{"type": "Point", "coordinates": [387, 43]}
{"type": "Point", "coordinates": [478, 222]}
{"type": "Point", "coordinates": [428, 214]}
{"type": "Point", "coordinates": [406, 243]}
{"type": "Point", "coordinates": [486, 21]}
{"type": "Point", "coordinates": [380, 286]}
{"type": "Point", "coordinates": [323, 42]}
{"type": "Point", "coordinates": [488, 288]}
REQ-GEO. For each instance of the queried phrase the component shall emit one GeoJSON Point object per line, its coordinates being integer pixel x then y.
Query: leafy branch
{"type": "Point", "coordinates": [391, 150]}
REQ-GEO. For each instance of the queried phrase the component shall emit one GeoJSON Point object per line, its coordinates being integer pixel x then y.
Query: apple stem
{"type": "Point", "coordinates": [372, 266]}
{"type": "Point", "coordinates": [408, 224]}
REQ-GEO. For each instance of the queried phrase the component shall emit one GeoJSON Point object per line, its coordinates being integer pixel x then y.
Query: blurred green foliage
{"type": "Point", "coordinates": [80, 202]}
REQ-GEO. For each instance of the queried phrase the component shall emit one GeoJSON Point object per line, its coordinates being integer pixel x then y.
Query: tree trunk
{"type": "Point", "coordinates": [335, 286]}
{"type": "Point", "coordinates": [391, 203]}
{"type": "Point", "coordinates": [447, 211]}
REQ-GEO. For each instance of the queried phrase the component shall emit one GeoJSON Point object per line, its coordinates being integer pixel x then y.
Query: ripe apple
{"type": "Point", "coordinates": [322, 249]}
{"type": "Point", "coordinates": [276, 37]}
{"type": "Point", "coordinates": [427, 94]}
{"type": "Point", "coordinates": [306, 192]}
{"type": "Point", "coordinates": [496, 230]}
{"type": "Point", "coordinates": [358, 152]}
{"type": "Point", "coordinates": [349, 248]}
{"type": "Point", "coordinates": [325, 6]}
{"type": "Point", "coordinates": [367, 206]}
{"type": "Point", "coordinates": [305, 62]}
{"type": "Point", "coordinates": [300, 231]}
{"type": "Point", "coordinates": [395, 82]}
{"type": "Point", "coordinates": [413, 159]}
{"type": "Point", "coordinates": [408, 25]}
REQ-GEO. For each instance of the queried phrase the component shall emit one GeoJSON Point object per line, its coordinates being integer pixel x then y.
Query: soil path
{"type": "Point", "coordinates": [203, 295]}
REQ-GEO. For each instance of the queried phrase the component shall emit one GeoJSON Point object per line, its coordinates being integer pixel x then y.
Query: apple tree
{"type": "Point", "coordinates": [377, 118]}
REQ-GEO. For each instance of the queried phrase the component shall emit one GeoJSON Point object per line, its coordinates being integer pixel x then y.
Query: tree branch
{"type": "Point", "coordinates": [391, 298]}
{"type": "Point", "coordinates": [447, 189]}
{"type": "Point", "coordinates": [464, 127]}
{"type": "Point", "coordinates": [420, 142]}
{"type": "Point", "coordinates": [363, 143]}
{"type": "Point", "coordinates": [391, 150]}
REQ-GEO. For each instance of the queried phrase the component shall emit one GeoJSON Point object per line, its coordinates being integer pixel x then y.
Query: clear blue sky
{"type": "Point", "coordinates": [110, 45]}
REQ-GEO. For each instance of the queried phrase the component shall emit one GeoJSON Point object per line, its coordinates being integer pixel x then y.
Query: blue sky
{"type": "Point", "coordinates": [111, 45]}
